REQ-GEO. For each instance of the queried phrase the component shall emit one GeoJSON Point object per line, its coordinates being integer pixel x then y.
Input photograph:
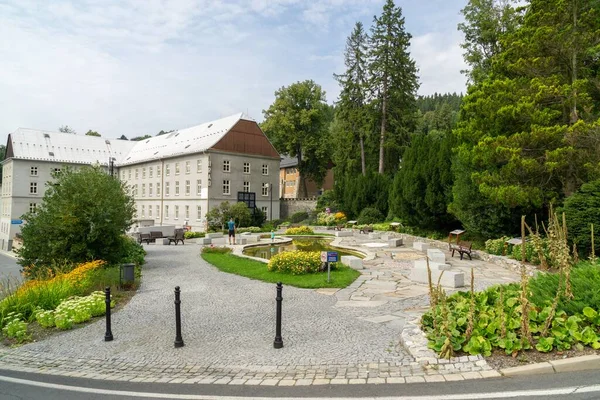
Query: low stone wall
{"type": "Point", "coordinates": [287, 207]}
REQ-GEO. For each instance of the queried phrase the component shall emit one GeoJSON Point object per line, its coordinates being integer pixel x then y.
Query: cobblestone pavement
{"type": "Point", "coordinates": [366, 333]}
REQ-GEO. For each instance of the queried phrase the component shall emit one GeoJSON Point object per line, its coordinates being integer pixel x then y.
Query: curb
{"type": "Point", "coordinates": [581, 363]}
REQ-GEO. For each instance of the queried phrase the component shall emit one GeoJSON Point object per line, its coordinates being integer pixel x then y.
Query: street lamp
{"type": "Point", "coordinates": [270, 189]}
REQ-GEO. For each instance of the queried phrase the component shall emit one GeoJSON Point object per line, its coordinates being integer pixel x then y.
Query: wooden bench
{"type": "Point", "coordinates": [144, 237]}
{"type": "Point", "coordinates": [178, 236]}
{"type": "Point", "coordinates": [462, 248]}
{"type": "Point", "coordinates": [366, 229]}
{"type": "Point", "coordinates": [339, 227]}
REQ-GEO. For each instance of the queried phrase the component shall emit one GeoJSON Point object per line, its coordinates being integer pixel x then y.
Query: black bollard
{"type": "Point", "coordinates": [278, 343]}
{"type": "Point", "coordinates": [178, 338]}
{"type": "Point", "coordinates": [108, 336]}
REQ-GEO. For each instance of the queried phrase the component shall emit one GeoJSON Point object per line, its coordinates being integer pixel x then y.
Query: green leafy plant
{"type": "Point", "coordinates": [216, 249]}
{"type": "Point", "coordinates": [302, 230]}
{"type": "Point", "coordinates": [370, 216]}
{"type": "Point", "coordinates": [193, 235]}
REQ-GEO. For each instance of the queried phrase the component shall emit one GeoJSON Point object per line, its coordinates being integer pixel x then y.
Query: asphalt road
{"type": "Point", "coordinates": [16, 385]}
{"type": "Point", "coordinates": [9, 269]}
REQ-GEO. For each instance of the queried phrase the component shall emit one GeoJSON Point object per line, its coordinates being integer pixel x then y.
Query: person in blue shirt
{"type": "Point", "coordinates": [231, 228]}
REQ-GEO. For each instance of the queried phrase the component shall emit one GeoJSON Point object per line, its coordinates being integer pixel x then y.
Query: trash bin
{"type": "Point", "coordinates": [127, 273]}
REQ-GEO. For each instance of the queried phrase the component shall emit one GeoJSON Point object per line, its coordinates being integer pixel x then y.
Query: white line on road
{"type": "Point", "coordinates": [459, 396]}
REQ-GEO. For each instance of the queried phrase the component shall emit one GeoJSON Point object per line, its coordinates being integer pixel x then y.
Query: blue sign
{"type": "Point", "coordinates": [16, 221]}
{"type": "Point", "coordinates": [332, 256]}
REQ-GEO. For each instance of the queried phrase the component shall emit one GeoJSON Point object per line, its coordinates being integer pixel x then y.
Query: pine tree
{"type": "Point", "coordinates": [393, 80]}
{"type": "Point", "coordinates": [351, 105]}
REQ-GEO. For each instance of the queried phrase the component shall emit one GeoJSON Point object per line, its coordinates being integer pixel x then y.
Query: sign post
{"type": "Point", "coordinates": [329, 257]}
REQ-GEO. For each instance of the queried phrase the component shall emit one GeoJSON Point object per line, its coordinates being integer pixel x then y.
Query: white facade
{"type": "Point", "coordinates": [175, 178]}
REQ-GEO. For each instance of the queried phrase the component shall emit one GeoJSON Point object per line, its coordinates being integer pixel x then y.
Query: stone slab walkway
{"type": "Point", "coordinates": [366, 333]}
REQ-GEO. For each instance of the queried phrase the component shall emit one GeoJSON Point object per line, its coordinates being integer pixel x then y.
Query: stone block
{"type": "Point", "coordinates": [434, 266]}
{"type": "Point", "coordinates": [395, 242]}
{"type": "Point", "coordinates": [343, 234]}
{"type": "Point", "coordinates": [421, 246]}
{"type": "Point", "coordinates": [451, 279]}
{"type": "Point", "coordinates": [205, 240]}
{"type": "Point", "coordinates": [531, 369]}
{"type": "Point", "coordinates": [162, 241]}
{"type": "Point", "coordinates": [353, 262]}
{"type": "Point", "coordinates": [577, 363]}
{"type": "Point", "coordinates": [241, 240]}
{"type": "Point", "coordinates": [219, 240]}
{"type": "Point", "coordinates": [250, 238]}
{"type": "Point", "coordinates": [387, 236]}
{"type": "Point", "coordinates": [374, 235]}
{"type": "Point", "coordinates": [436, 255]}
{"type": "Point", "coordinates": [213, 235]}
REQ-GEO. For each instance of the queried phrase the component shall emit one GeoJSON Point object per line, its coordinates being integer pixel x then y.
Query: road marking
{"type": "Point", "coordinates": [459, 396]}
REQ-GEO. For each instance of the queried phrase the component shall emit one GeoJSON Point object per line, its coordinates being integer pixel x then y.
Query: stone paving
{"type": "Point", "coordinates": [365, 333]}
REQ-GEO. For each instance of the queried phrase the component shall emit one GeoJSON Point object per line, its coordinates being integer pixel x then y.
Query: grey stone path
{"type": "Point", "coordinates": [359, 334]}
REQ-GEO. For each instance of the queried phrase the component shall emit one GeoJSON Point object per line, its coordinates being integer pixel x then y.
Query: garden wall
{"type": "Point", "coordinates": [291, 206]}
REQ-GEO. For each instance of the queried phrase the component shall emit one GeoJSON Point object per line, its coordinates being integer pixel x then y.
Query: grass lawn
{"type": "Point", "coordinates": [340, 278]}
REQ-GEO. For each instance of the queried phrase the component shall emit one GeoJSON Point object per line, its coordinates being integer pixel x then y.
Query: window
{"type": "Point", "coordinates": [199, 166]}
{"type": "Point", "coordinates": [157, 212]}
{"type": "Point", "coordinates": [129, 174]}
{"type": "Point", "coordinates": [187, 212]}
{"type": "Point", "coordinates": [144, 173]}
{"type": "Point", "coordinates": [265, 189]}
{"type": "Point", "coordinates": [167, 170]}
{"type": "Point", "coordinates": [33, 188]}
{"type": "Point", "coordinates": [198, 213]}
{"type": "Point", "coordinates": [176, 168]}
{"type": "Point", "coordinates": [149, 190]}
{"type": "Point", "coordinates": [176, 212]}
{"type": "Point", "coordinates": [177, 188]}
{"type": "Point", "coordinates": [150, 172]}
{"type": "Point", "coordinates": [158, 170]}
{"type": "Point", "coordinates": [265, 169]}
{"type": "Point", "coordinates": [143, 190]}
{"type": "Point", "coordinates": [199, 187]}
{"type": "Point", "coordinates": [226, 166]}
{"type": "Point", "coordinates": [188, 168]}
{"type": "Point", "coordinates": [167, 184]}
{"type": "Point", "coordinates": [57, 171]}
{"type": "Point", "coordinates": [187, 188]}
{"type": "Point", "coordinates": [246, 167]}
{"type": "Point", "coordinates": [264, 211]}
{"type": "Point", "coordinates": [32, 207]}
{"type": "Point", "coordinates": [226, 186]}
{"type": "Point", "coordinates": [150, 211]}
{"type": "Point", "coordinates": [143, 211]}
{"type": "Point", "coordinates": [157, 189]}
{"type": "Point", "coordinates": [33, 171]}
{"type": "Point", "coordinates": [136, 173]}
{"type": "Point", "coordinates": [246, 186]}
{"type": "Point", "coordinates": [123, 175]}
{"type": "Point", "coordinates": [166, 212]}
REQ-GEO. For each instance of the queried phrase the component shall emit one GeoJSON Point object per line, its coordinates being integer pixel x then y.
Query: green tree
{"type": "Point", "coordinates": [92, 133]}
{"type": "Point", "coordinates": [529, 130]}
{"type": "Point", "coordinates": [486, 21]}
{"type": "Point", "coordinates": [582, 209]}
{"type": "Point", "coordinates": [123, 137]}
{"type": "Point", "coordinates": [297, 124]}
{"type": "Point", "coordinates": [163, 132]}
{"type": "Point", "coordinates": [351, 106]}
{"type": "Point", "coordinates": [140, 138]}
{"type": "Point", "coordinates": [66, 129]}
{"type": "Point", "coordinates": [241, 214]}
{"type": "Point", "coordinates": [217, 217]}
{"type": "Point", "coordinates": [393, 82]}
{"type": "Point", "coordinates": [83, 216]}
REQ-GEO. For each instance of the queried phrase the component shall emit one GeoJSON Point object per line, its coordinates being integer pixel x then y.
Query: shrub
{"type": "Point", "coordinates": [327, 199]}
{"type": "Point", "coordinates": [193, 235]}
{"type": "Point", "coordinates": [217, 249]}
{"type": "Point", "coordinates": [384, 226]}
{"type": "Point", "coordinates": [15, 327]}
{"type": "Point", "coordinates": [299, 217]}
{"type": "Point", "coordinates": [296, 262]}
{"type": "Point", "coordinates": [45, 318]}
{"type": "Point", "coordinates": [325, 219]}
{"type": "Point", "coordinates": [131, 251]}
{"type": "Point", "coordinates": [582, 208]}
{"type": "Point", "coordinates": [252, 229]}
{"type": "Point", "coordinates": [496, 246]}
{"type": "Point", "coordinates": [302, 230]}
{"type": "Point", "coordinates": [340, 217]}
{"type": "Point", "coordinates": [369, 216]}
{"type": "Point", "coordinates": [85, 214]}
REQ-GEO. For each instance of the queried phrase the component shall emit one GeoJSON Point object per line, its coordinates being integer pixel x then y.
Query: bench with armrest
{"type": "Point", "coordinates": [462, 248]}
{"type": "Point", "coordinates": [339, 227]}
{"type": "Point", "coordinates": [145, 237]}
{"type": "Point", "coordinates": [366, 229]}
{"type": "Point", "coordinates": [178, 236]}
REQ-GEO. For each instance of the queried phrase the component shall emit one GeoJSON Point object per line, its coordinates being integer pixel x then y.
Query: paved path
{"type": "Point", "coordinates": [354, 335]}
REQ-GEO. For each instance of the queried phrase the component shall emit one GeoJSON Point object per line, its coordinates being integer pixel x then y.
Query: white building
{"type": "Point", "coordinates": [175, 178]}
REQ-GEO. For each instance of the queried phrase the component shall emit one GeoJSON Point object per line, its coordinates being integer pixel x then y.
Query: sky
{"type": "Point", "coordinates": [141, 66]}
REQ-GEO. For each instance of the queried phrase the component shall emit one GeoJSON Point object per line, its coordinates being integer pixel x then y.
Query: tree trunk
{"type": "Point", "coordinates": [383, 123]}
{"type": "Point", "coordinates": [574, 116]}
{"type": "Point", "coordinates": [303, 190]}
{"type": "Point", "coordinates": [362, 155]}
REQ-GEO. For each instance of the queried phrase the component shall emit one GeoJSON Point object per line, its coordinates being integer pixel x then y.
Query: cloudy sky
{"type": "Point", "coordinates": [140, 66]}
